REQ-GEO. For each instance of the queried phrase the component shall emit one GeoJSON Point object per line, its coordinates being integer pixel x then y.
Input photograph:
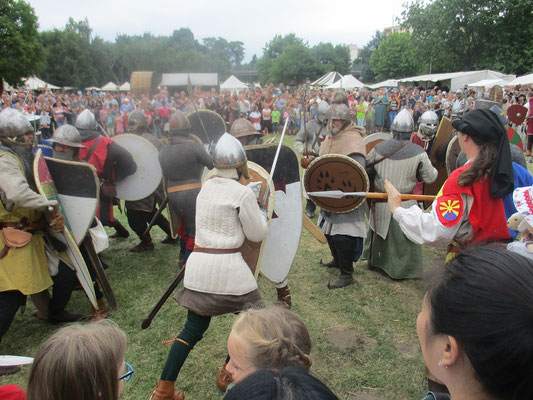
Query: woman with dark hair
{"type": "Point", "coordinates": [476, 325]}
{"type": "Point", "coordinates": [288, 383]}
{"type": "Point", "coordinates": [470, 206]}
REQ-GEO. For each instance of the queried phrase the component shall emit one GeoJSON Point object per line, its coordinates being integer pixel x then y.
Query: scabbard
{"type": "Point", "coordinates": [148, 320]}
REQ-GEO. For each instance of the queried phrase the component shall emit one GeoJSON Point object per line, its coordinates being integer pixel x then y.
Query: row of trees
{"type": "Point", "coordinates": [454, 35]}
{"type": "Point", "coordinates": [438, 36]}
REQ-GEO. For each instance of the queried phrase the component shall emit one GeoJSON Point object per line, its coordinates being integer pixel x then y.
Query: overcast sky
{"type": "Point", "coordinates": [252, 22]}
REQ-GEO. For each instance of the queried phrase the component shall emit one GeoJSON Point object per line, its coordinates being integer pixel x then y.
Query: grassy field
{"type": "Point", "coordinates": [364, 336]}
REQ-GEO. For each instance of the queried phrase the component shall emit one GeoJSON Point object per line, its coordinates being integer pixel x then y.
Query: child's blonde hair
{"type": "Point", "coordinates": [276, 337]}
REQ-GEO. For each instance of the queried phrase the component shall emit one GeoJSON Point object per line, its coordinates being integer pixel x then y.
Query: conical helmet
{"type": "Point", "coordinates": [179, 124]}
{"type": "Point", "coordinates": [137, 122]}
{"type": "Point", "coordinates": [229, 153]}
{"type": "Point", "coordinates": [321, 111]}
{"type": "Point", "coordinates": [86, 121]}
{"type": "Point", "coordinates": [242, 127]}
{"type": "Point", "coordinates": [403, 123]}
{"type": "Point", "coordinates": [339, 111]}
{"type": "Point", "coordinates": [67, 135]}
{"type": "Point", "coordinates": [13, 123]}
{"type": "Point", "coordinates": [429, 123]}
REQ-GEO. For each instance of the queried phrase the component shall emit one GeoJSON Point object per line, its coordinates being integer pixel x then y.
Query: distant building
{"type": "Point", "coordinates": [354, 52]}
{"type": "Point", "coordinates": [393, 29]}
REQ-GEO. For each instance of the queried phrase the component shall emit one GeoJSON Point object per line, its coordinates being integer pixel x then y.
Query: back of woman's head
{"type": "Point", "coordinates": [484, 299]}
{"type": "Point", "coordinates": [289, 383]}
{"type": "Point", "coordinates": [79, 362]}
{"type": "Point", "coordinates": [276, 337]}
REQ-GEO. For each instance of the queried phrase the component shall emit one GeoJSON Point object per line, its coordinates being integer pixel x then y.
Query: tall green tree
{"type": "Point", "coordinates": [367, 74]}
{"type": "Point", "coordinates": [332, 58]}
{"type": "Point", "coordinates": [20, 51]}
{"type": "Point", "coordinates": [455, 35]}
{"type": "Point", "coordinates": [273, 50]}
{"type": "Point", "coordinates": [394, 58]}
{"type": "Point", "coordinates": [294, 65]}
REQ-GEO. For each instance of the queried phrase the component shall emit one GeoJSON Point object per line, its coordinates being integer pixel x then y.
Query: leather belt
{"type": "Point", "coordinates": [22, 226]}
{"type": "Point", "coordinates": [215, 251]}
{"type": "Point", "coordinates": [180, 188]}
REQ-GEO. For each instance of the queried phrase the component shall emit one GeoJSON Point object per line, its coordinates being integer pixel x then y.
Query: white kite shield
{"type": "Point", "coordinates": [148, 175]}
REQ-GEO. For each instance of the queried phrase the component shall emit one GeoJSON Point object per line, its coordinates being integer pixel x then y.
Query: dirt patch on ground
{"type": "Point", "coordinates": [407, 349]}
{"type": "Point", "coordinates": [347, 339]}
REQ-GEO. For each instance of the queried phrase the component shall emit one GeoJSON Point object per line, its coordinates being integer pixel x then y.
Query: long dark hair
{"type": "Point", "coordinates": [484, 299]}
{"type": "Point", "coordinates": [481, 167]}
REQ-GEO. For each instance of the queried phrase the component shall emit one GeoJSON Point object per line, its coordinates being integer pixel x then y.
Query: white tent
{"type": "Point", "coordinates": [186, 79]}
{"type": "Point", "coordinates": [388, 83]}
{"type": "Point", "coordinates": [233, 84]}
{"type": "Point", "coordinates": [488, 83]}
{"type": "Point", "coordinates": [346, 82]}
{"type": "Point", "coordinates": [91, 88]}
{"type": "Point", "coordinates": [125, 87]}
{"type": "Point", "coordinates": [327, 79]}
{"type": "Point", "coordinates": [455, 80]}
{"type": "Point", "coordinates": [110, 87]}
{"type": "Point", "coordinates": [522, 80]}
{"type": "Point", "coordinates": [34, 83]}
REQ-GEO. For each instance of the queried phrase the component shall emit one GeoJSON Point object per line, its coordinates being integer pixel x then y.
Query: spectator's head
{"type": "Point", "coordinates": [267, 338]}
{"type": "Point", "coordinates": [288, 383]}
{"type": "Point", "coordinates": [82, 362]}
{"type": "Point", "coordinates": [476, 324]}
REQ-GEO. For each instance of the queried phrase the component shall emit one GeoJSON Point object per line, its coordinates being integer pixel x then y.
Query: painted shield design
{"type": "Point", "coordinates": [148, 175]}
{"type": "Point", "coordinates": [47, 188]}
{"type": "Point", "coordinates": [452, 153]}
{"type": "Point", "coordinates": [77, 187]}
{"type": "Point", "coordinates": [285, 228]}
{"type": "Point", "coordinates": [211, 121]}
{"type": "Point", "coordinates": [372, 140]}
{"type": "Point", "coordinates": [336, 172]}
{"type": "Point", "coordinates": [437, 156]}
{"type": "Point", "coordinates": [517, 114]}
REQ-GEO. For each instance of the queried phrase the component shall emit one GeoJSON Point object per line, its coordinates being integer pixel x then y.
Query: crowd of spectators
{"type": "Point", "coordinates": [267, 108]}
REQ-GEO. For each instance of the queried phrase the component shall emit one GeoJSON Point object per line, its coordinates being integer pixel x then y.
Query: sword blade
{"type": "Point", "coordinates": [336, 194]}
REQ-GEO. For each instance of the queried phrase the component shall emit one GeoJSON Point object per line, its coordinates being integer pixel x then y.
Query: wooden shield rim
{"type": "Point", "coordinates": [356, 165]}
{"type": "Point", "coordinates": [201, 135]}
{"type": "Point", "coordinates": [448, 155]}
{"type": "Point", "coordinates": [374, 138]}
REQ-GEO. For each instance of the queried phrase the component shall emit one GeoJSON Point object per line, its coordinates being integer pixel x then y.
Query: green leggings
{"type": "Point", "coordinates": [191, 334]}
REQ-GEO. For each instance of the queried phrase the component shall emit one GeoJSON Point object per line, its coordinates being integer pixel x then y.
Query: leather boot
{"type": "Point", "coordinates": [65, 316]}
{"type": "Point", "coordinates": [121, 232]}
{"type": "Point", "coordinates": [284, 296]}
{"type": "Point", "coordinates": [345, 248]}
{"type": "Point", "coordinates": [41, 301]}
{"type": "Point", "coordinates": [101, 313]}
{"type": "Point", "coordinates": [181, 260]}
{"type": "Point", "coordinates": [334, 262]}
{"type": "Point", "coordinates": [145, 245]}
{"type": "Point", "coordinates": [165, 391]}
{"type": "Point", "coordinates": [169, 240]}
{"type": "Point", "coordinates": [224, 379]}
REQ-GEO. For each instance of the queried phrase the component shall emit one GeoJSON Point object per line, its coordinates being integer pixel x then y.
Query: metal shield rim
{"type": "Point", "coordinates": [356, 165]}
{"type": "Point", "coordinates": [448, 154]}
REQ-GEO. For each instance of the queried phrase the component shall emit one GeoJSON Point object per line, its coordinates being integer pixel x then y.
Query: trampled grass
{"type": "Point", "coordinates": [364, 336]}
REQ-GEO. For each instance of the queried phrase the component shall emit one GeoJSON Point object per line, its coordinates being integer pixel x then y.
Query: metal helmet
{"type": "Point", "coordinates": [179, 124]}
{"type": "Point", "coordinates": [338, 111]}
{"type": "Point", "coordinates": [429, 123]}
{"type": "Point", "coordinates": [229, 153]}
{"type": "Point", "coordinates": [67, 135]}
{"type": "Point", "coordinates": [137, 122]}
{"type": "Point", "coordinates": [321, 111]}
{"type": "Point", "coordinates": [13, 124]}
{"type": "Point", "coordinates": [403, 123]}
{"type": "Point", "coordinates": [242, 127]}
{"type": "Point", "coordinates": [86, 121]}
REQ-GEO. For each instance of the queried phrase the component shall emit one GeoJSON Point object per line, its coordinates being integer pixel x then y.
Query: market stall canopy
{"type": "Point", "coordinates": [522, 80]}
{"type": "Point", "coordinates": [110, 87]}
{"type": "Point", "coordinates": [328, 79]}
{"type": "Point", "coordinates": [346, 82]}
{"type": "Point", "coordinates": [91, 88]}
{"type": "Point", "coordinates": [125, 87]}
{"type": "Point", "coordinates": [388, 83]}
{"type": "Point", "coordinates": [233, 84]}
{"type": "Point", "coordinates": [488, 83]}
{"type": "Point", "coordinates": [34, 83]}
{"type": "Point", "coordinates": [456, 80]}
{"type": "Point", "coordinates": [196, 79]}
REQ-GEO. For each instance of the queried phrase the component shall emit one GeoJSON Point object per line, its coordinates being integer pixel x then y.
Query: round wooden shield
{"type": "Point", "coordinates": [372, 140]}
{"type": "Point", "coordinates": [207, 125]}
{"type": "Point", "coordinates": [517, 114]}
{"type": "Point", "coordinates": [452, 152]}
{"type": "Point", "coordinates": [336, 172]}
